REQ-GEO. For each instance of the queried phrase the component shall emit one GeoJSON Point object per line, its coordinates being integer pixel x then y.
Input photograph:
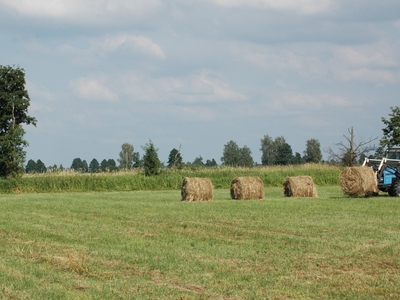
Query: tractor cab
{"type": "Point", "coordinates": [393, 153]}
{"type": "Point", "coordinates": [387, 171]}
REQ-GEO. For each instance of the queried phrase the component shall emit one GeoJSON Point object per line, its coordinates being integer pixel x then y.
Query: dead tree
{"type": "Point", "coordinates": [349, 152]}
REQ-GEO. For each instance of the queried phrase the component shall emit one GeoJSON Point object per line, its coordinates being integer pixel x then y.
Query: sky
{"type": "Point", "coordinates": [198, 74]}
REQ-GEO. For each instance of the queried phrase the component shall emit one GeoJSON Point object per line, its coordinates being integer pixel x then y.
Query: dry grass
{"type": "Point", "coordinates": [357, 181]}
{"type": "Point", "coordinates": [196, 189]}
{"type": "Point", "coordinates": [299, 186]}
{"type": "Point", "coordinates": [246, 188]}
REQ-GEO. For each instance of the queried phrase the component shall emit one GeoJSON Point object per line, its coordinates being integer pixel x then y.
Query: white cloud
{"type": "Point", "coordinates": [374, 76]}
{"type": "Point", "coordinates": [91, 88]}
{"type": "Point", "coordinates": [50, 8]}
{"type": "Point", "coordinates": [302, 6]}
{"type": "Point", "coordinates": [371, 55]}
{"type": "Point", "coordinates": [376, 63]}
{"type": "Point", "coordinates": [195, 88]}
{"type": "Point", "coordinates": [111, 43]}
{"type": "Point", "coordinates": [89, 10]}
{"type": "Point", "coordinates": [292, 100]}
{"type": "Point", "coordinates": [41, 98]}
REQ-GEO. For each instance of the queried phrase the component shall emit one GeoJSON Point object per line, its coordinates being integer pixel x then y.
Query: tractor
{"type": "Point", "coordinates": [387, 171]}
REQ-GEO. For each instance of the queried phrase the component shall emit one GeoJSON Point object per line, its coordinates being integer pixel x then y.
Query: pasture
{"type": "Point", "coordinates": [151, 245]}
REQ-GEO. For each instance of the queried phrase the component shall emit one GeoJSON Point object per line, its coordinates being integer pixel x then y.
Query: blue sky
{"type": "Point", "coordinates": [200, 73]}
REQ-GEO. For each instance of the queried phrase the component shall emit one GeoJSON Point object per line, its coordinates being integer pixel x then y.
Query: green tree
{"type": "Point", "coordinates": [198, 161]}
{"type": "Point", "coordinates": [235, 156]}
{"type": "Point", "coordinates": [245, 160]}
{"type": "Point", "coordinates": [379, 152]}
{"type": "Point", "coordinates": [137, 163]}
{"type": "Point", "coordinates": [175, 159]}
{"type": "Point", "coordinates": [94, 166]}
{"type": "Point", "coordinates": [31, 166]}
{"type": "Point", "coordinates": [40, 167]}
{"type": "Point", "coordinates": [126, 156]}
{"type": "Point", "coordinates": [297, 159]}
{"type": "Point", "coordinates": [275, 151]}
{"type": "Point", "coordinates": [312, 154]}
{"type": "Point", "coordinates": [211, 163]}
{"type": "Point", "coordinates": [391, 133]}
{"type": "Point", "coordinates": [112, 165]}
{"type": "Point", "coordinates": [267, 151]}
{"type": "Point", "coordinates": [231, 154]}
{"type": "Point", "coordinates": [151, 163]}
{"type": "Point", "coordinates": [14, 103]}
{"type": "Point", "coordinates": [104, 165]}
{"type": "Point", "coordinates": [284, 154]}
{"type": "Point", "coordinates": [78, 165]}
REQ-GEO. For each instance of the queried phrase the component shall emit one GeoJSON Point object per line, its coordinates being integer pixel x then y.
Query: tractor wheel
{"type": "Point", "coordinates": [394, 190]}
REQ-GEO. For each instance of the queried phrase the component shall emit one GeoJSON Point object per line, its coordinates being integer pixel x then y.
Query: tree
{"type": "Point", "coordinates": [137, 163]}
{"type": "Point", "coordinates": [31, 166]}
{"type": "Point", "coordinates": [231, 154]}
{"type": "Point", "coordinates": [312, 154]}
{"type": "Point", "coordinates": [104, 165]}
{"type": "Point", "coordinates": [267, 151]}
{"type": "Point", "coordinates": [391, 133]}
{"type": "Point", "coordinates": [297, 159]}
{"type": "Point", "coordinates": [151, 163]}
{"type": "Point", "coordinates": [211, 163]}
{"type": "Point", "coordinates": [246, 160]}
{"type": "Point", "coordinates": [40, 167]}
{"type": "Point", "coordinates": [379, 152]}
{"type": "Point", "coordinates": [112, 166]}
{"type": "Point", "coordinates": [275, 152]}
{"type": "Point", "coordinates": [94, 166]}
{"type": "Point", "coordinates": [126, 156]}
{"type": "Point", "coordinates": [175, 159]}
{"type": "Point", "coordinates": [284, 154]}
{"type": "Point", "coordinates": [235, 156]}
{"type": "Point", "coordinates": [198, 161]}
{"type": "Point", "coordinates": [85, 166]}
{"type": "Point", "coordinates": [14, 103]}
{"type": "Point", "coordinates": [78, 165]}
{"type": "Point", "coordinates": [349, 152]}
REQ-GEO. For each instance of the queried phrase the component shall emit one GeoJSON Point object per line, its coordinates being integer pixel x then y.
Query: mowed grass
{"type": "Point", "coordinates": [150, 245]}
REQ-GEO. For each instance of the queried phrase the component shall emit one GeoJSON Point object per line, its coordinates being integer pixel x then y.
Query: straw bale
{"type": "Point", "coordinates": [357, 181]}
{"type": "Point", "coordinates": [196, 189]}
{"type": "Point", "coordinates": [299, 186]}
{"type": "Point", "coordinates": [246, 188]}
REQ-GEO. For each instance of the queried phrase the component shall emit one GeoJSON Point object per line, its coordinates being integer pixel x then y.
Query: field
{"type": "Point", "coordinates": [150, 245]}
{"type": "Point", "coordinates": [221, 177]}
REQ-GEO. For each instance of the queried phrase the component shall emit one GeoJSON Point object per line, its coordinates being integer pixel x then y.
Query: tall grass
{"type": "Point", "coordinates": [221, 177]}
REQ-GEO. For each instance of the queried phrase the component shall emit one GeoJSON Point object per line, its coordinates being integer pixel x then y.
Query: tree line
{"type": "Point", "coordinates": [14, 103]}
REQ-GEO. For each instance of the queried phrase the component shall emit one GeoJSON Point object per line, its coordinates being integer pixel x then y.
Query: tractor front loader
{"type": "Point", "coordinates": [387, 171]}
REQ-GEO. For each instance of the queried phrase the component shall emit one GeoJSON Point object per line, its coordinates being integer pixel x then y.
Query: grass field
{"type": "Point", "coordinates": [135, 180]}
{"type": "Point", "coordinates": [150, 245]}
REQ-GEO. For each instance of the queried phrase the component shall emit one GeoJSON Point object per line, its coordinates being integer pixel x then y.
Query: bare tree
{"type": "Point", "coordinates": [349, 152]}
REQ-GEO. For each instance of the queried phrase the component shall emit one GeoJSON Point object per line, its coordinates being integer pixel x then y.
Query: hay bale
{"type": "Point", "coordinates": [357, 181]}
{"type": "Point", "coordinates": [245, 188]}
{"type": "Point", "coordinates": [197, 189]}
{"type": "Point", "coordinates": [299, 186]}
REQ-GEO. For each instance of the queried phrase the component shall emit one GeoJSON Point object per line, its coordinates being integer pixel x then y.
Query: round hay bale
{"type": "Point", "coordinates": [196, 189]}
{"type": "Point", "coordinates": [357, 181]}
{"type": "Point", "coordinates": [299, 186]}
{"type": "Point", "coordinates": [246, 188]}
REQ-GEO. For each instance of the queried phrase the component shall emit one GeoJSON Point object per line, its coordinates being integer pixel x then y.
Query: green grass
{"type": "Point", "coordinates": [150, 245]}
{"type": "Point", "coordinates": [221, 177]}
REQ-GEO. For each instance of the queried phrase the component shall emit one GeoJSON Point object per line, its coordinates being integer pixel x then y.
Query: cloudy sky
{"type": "Point", "coordinates": [200, 73]}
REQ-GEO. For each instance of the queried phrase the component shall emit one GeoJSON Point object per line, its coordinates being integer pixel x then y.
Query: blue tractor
{"type": "Point", "coordinates": [387, 171]}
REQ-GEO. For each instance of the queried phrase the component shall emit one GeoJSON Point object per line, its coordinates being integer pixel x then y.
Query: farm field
{"type": "Point", "coordinates": [150, 245]}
